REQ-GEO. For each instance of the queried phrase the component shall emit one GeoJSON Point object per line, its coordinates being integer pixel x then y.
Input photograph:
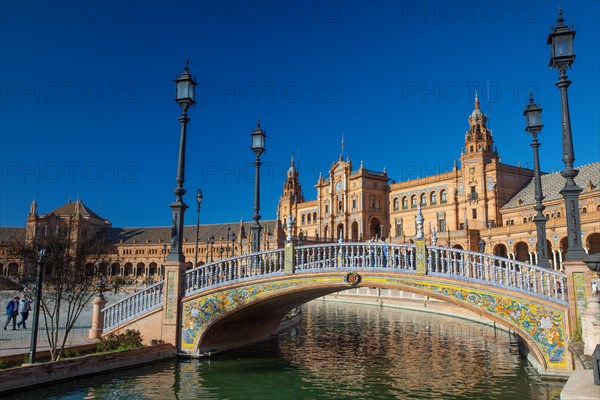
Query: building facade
{"type": "Point", "coordinates": [479, 199]}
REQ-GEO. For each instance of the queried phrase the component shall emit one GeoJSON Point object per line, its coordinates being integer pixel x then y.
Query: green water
{"type": "Point", "coordinates": [339, 351]}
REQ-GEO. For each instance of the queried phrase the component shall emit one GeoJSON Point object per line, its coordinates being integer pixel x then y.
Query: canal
{"type": "Point", "coordinates": [338, 351]}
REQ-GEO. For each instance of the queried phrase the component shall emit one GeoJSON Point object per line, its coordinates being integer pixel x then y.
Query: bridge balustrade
{"type": "Point", "coordinates": [395, 257]}
{"type": "Point", "coordinates": [232, 270]}
{"type": "Point", "coordinates": [137, 304]}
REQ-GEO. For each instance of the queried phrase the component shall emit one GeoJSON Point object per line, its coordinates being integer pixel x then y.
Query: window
{"type": "Point", "coordinates": [433, 198]}
{"type": "Point", "coordinates": [308, 217]}
{"type": "Point", "coordinates": [443, 197]}
{"type": "Point", "coordinates": [303, 219]}
{"type": "Point", "coordinates": [354, 204]}
{"type": "Point", "coordinates": [423, 199]}
{"type": "Point", "coordinates": [326, 208]}
{"type": "Point", "coordinates": [396, 204]}
{"type": "Point", "coordinates": [413, 201]}
{"type": "Point", "coordinates": [474, 213]}
{"type": "Point", "coordinates": [315, 216]}
{"type": "Point", "coordinates": [441, 225]}
{"type": "Point", "coordinates": [404, 203]}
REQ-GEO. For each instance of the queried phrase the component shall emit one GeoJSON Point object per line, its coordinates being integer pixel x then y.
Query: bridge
{"type": "Point", "coordinates": [242, 300]}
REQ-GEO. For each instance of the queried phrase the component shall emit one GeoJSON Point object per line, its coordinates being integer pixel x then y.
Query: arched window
{"type": "Point", "coordinates": [433, 198]}
{"type": "Point", "coordinates": [315, 216]}
{"type": "Point", "coordinates": [396, 204]}
{"type": "Point", "coordinates": [303, 219]}
{"type": "Point", "coordinates": [327, 207]}
{"type": "Point", "coordinates": [423, 200]}
{"type": "Point", "coordinates": [308, 218]}
{"type": "Point", "coordinates": [524, 220]}
{"type": "Point", "coordinates": [443, 196]}
{"type": "Point", "coordinates": [413, 201]}
{"type": "Point", "coordinates": [584, 210]}
{"type": "Point", "coordinates": [558, 215]}
{"type": "Point", "coordinates": [404, 203]}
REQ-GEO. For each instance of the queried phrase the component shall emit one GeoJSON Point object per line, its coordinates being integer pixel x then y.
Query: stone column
{"type": "Point", "coordinates": [173, 291]}
{"type": "Point", "coordinates": [98, 304]}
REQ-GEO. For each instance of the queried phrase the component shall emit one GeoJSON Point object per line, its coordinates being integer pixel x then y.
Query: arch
{"type": "Point", "coordinates": [115, 269]}
{"type": "Point", "coordinates": [13, 269]}
{"type": "Point", "coordinates": [423, 199]}
{"type": "Point", "coordinates": [339, 231]}
{"type": "Point", "coordinates": [433, 198]}
{"type": "Point", "coordinates": [127, 269]}
{"type": "Point", "coordinates": [308, 218]}
{"type": "Point", "coordinates": [103, 269]}
{"type": "Point", "coordinates": [564, 245]}
{"type": "Point", "coordinates": [413, 201]}
{"type": "Point", "coordinates": [303, 221]}
{"type": "Point", "coordinates": [189, 265]}
{"type": "Point", "coordinates": [584, 210]}
{"type": "Point", "coordinates": [443, 196]}
{"type": "Point", "coordinates": [521, 251]}
{"type": "Point", "coordinates": [2, 271]}
{"type": "Point", "coordinates": [375, 228]}
{"type": "Point", "coordinates": [315, 217]}
{"type": "Point", "coordinates": [218, 327]}
{"type": "Point", "coordinates": [152, 269]}
{"type": "Point", "coordinates": [500, 250]}
{"type": "Point", "coordinates": [593, 243]}
{"type": "Point", "coordinates": [396, 204]}
{"type": "Point", "coordinates": [458, 246]}
{"type": "Point", "coordinates": [326, 232]}
{"type": "Point", "coordinates": [140, 269]}
{"type": "Point", "coordinates": [354, 231]}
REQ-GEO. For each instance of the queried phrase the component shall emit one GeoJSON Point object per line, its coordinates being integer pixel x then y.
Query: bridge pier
{"type": "Point", "coordinates": [584, 309]}
{"type": "Point", "coordinates": [170, 328]}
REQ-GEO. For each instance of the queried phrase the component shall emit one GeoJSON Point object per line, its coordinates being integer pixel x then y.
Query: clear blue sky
{"type": "Point", "coordinates": [87, 104]}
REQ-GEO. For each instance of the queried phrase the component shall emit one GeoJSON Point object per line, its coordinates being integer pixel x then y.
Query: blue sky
{"type": "Point", "coordinates": [87, 106]}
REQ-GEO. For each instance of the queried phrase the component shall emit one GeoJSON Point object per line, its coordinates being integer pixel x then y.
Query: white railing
{"type": "Point", "coordinates": [130, 307]}
{"type": "Point", "coordinates": [452, 263]}
{"type": "Point", "coordinates": [232, 270]}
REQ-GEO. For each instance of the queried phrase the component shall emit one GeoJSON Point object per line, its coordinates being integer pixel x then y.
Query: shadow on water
{"type": "Point", "coordinates": [339, 351]}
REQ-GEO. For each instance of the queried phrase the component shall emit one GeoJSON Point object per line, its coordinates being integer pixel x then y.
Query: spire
{"type": "Point", "coordinates": [342, 155]}
{"type": "Point", "coordinates": [258, 123]}
{"type": "Point", "coordinates": [476, 100]}
{"type": "Point", "coordinates": [33, 207]}
{"type": "Point", "coordinates": [560, 19]}
{"type": "Point", "coordinates": [187, 65]}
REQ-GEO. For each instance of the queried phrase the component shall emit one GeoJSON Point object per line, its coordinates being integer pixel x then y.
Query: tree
{"type": "Point", "coordinates": [70, 271]}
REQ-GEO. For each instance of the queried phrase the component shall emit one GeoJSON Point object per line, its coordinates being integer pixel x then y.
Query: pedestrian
{"type": "Point", "coordinates": [24, 308]}
{"type": "Point", "coordinates": [594, 288]}
{"type": "Point", "coordinates": [12, 310]}
{"type": "Point", "coordinates": [384, 251]}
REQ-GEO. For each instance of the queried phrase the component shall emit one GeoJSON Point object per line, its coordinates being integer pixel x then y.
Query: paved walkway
{"type": "Point", "coordinates": [19, 341]}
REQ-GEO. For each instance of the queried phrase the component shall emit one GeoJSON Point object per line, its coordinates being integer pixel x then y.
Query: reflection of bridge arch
{"type": "Point", "coordinates": [241, 300]}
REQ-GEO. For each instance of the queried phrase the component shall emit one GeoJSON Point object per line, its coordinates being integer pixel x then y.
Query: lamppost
{"type": "Point", "coordinates": [38, 298]}
{"type": "Point", "coordinates": [198, 202]}
{"type": "Point", "coordinates": [227, 240]}
{"type": "Point", "coordinates": [258, 147]}
{"type": "Point", "coordinates": [185, 98]}
{"type": "Point", "coordinates": [562, 56]}
{"type": "Point", "coordinates": [233, 237]}
{"type": "Point", "coordinates": [210, 240]}
{"type": "Point", "coordinates": [533, 120]}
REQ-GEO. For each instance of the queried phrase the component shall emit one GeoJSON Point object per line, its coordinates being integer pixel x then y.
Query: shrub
{"type": "Point", "coordinates": [130, 339]}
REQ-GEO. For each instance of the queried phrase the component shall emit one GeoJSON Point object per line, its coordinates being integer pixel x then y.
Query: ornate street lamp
{"type": "Point", "coordinates": [258, 147]}
{"type": "Point", "coordinates": [233, 237]}
{"type": "Point", "coordinates": [481, 245]}
{"type": "Point", "coordinates": [198, 202]}
{"type": "Point", "coordinates": [562, 56]}
{"type": "Point", "coordinates": [185, 85]}
{"type": "Point", "coordinates": [210, 240]}
{"type": "Point", "coordinates": [533, 125]}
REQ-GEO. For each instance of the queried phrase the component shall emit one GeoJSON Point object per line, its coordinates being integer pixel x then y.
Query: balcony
{"type": "Point", "coordinates": [472, 196]}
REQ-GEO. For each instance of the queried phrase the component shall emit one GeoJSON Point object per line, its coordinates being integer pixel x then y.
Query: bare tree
{"type": "Point", "coordinates": [70, 271]}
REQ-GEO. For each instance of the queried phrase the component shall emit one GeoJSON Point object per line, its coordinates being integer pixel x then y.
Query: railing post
{"type": "Point", "coordinates": [98, 304]}
{"type": "Point", "coordinates": [289, 259]}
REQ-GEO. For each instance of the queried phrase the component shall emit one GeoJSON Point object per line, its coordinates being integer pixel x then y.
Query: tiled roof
{"type": "Point", "coordinates": [72, 208]}
{"type": "Point", "coordinates": [162, 234]}
{"type": "Point", "coordinates": [7, 235]}
{"type": "Point", "coordinates": [553, 183]}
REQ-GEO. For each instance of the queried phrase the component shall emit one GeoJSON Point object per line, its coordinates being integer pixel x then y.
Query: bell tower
{"type": "Point", "coordinates": [292, 195]}
{"type": "Point", "coordinates": [479, 141]}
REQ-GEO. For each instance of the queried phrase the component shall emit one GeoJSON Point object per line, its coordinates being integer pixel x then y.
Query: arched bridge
{"type": "Point", "coordinates": [242, 300]}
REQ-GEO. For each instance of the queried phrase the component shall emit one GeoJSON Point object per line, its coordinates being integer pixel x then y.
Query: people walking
{"type": "Point", "coordinates": [12, 311]}
{"type": "Point", "coordinates": [24, 308]}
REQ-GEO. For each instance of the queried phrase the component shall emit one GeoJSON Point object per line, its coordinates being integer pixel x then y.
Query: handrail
{"type": "Point", "coordinates": [130, 307]}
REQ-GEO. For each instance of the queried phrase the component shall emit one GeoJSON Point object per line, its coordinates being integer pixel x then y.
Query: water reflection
{"type": "Point", "coordinates": [339, 351]}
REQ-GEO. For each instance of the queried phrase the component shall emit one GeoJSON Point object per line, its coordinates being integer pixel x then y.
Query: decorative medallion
{"type": "Point", "coordinates": [352, 278]}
